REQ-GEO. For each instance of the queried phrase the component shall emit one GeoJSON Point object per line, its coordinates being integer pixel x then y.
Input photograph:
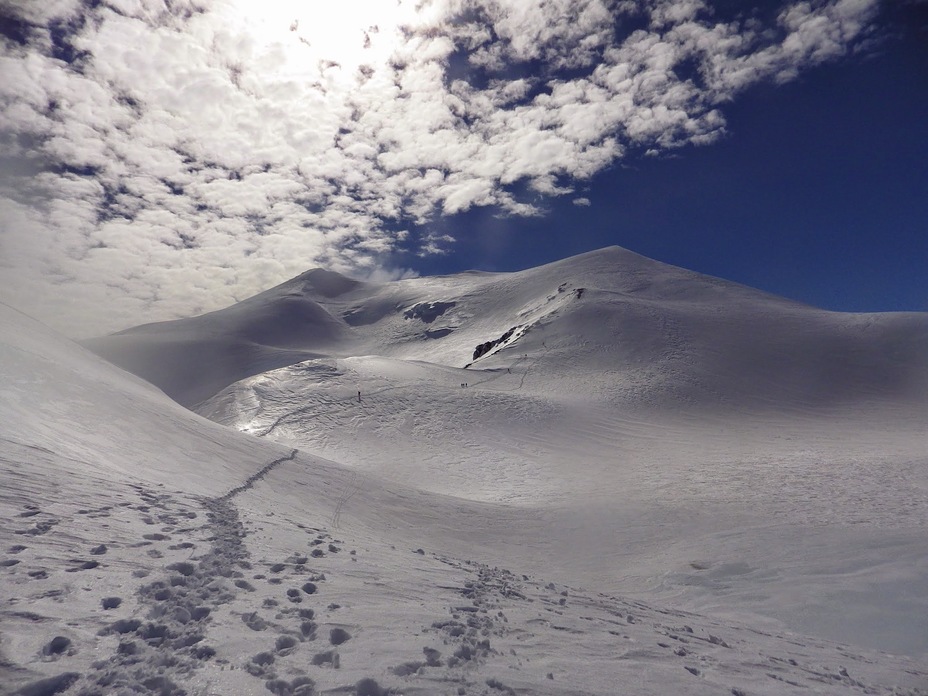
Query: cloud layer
{"type": "Point", "coordinates": [167, 158]}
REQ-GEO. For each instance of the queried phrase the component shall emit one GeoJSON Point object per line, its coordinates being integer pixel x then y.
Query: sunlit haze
{"type": "Point", "coordinates": [163, 160]}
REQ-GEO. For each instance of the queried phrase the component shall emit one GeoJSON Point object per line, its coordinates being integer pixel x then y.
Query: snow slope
{"type": "Point", "coordinates": [818, 522]}
{"type": "Point", "coordinates": [226, 565]}
{"type": "Point", "coordinates": [679, 437]}
{"type": "Point", "coordinates": [468, 541]}
{"type": "Point", "coordinates": [191, 359]}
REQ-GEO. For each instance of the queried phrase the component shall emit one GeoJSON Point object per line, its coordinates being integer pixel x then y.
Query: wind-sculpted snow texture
{"type": "Point", "coordinates": [659, 483]}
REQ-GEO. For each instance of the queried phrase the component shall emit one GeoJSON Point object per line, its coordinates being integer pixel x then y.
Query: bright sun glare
{"type": "Point", "coordinates": [337, 38]}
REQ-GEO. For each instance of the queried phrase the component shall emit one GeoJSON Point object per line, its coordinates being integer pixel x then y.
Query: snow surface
{"type": "Point", "coordinates": [658, 483]}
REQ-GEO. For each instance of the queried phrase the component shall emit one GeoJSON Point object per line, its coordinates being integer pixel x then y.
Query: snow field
{"type": "Point", "coordinates": [657, 482]}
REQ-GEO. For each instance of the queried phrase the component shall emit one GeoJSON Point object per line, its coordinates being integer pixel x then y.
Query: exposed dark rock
{"type": "Point", "coordinates": [485, 348]}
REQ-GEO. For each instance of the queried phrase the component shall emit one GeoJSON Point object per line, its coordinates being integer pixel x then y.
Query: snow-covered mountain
{"type": "Point", "coordinates": [655, 482]}
{"type": "Point", "coordinates": [645, 332]}
{"type": "Point", "coordinates": [746, 447]}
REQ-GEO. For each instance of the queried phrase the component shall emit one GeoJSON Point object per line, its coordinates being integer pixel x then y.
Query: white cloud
{"type": "Point", "coordinates": [384, 275]}
{"type": "Point", "coordinates": [191, 153]}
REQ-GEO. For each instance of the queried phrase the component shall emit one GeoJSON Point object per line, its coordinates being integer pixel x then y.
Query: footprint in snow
{"type": "Point", "coordinates": [338, 636]}
{"type": "Point", "coordinates": [51, 685]}
{"type": "Point", "coordinates": [254, 622]}
{"type": "Point", "coordinates": [40, 528]}
{"type": "Point", "coordinates": [82, 565]}
{"type": "Point", "coordinates": [260, 665]}
{"type": "Point", "coordinates": [56, 647]}
{"type": "Point", "coordinates": [329, 658]}
{"type": "Point", "coordinates": [284, 645]}
{"type": "Point", "coordinates": [182, 546]}
{"type": "Point", "coordinates": [300, 686]}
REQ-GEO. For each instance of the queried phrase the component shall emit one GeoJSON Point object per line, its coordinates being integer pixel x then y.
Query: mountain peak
{"type": "Point", "coordinates": [319, 282]}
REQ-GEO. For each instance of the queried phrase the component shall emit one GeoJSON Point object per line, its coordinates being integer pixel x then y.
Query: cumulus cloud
{"type": "Point", "coordinates": [168, 158]}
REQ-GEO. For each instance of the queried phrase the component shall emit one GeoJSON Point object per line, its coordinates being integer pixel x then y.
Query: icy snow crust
{"type": "Point", "coordinates": [657, 483]}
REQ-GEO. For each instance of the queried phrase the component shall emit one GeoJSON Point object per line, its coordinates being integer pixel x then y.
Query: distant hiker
{"type": "Point", "coordinates": [359, 397]}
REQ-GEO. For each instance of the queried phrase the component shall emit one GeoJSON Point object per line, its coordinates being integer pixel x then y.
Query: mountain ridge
{"type": "Point", "coordinates": [620, 309]}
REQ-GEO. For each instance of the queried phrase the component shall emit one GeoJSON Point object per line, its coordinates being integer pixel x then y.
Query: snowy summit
{"type": "Point", "coordinates": [605, 475]}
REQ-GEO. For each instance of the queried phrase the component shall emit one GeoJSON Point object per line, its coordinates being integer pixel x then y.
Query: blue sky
{"type": "Point", "coordinates": [163, 160]}
{"type": "Point", "coordinates": [818, 193]}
